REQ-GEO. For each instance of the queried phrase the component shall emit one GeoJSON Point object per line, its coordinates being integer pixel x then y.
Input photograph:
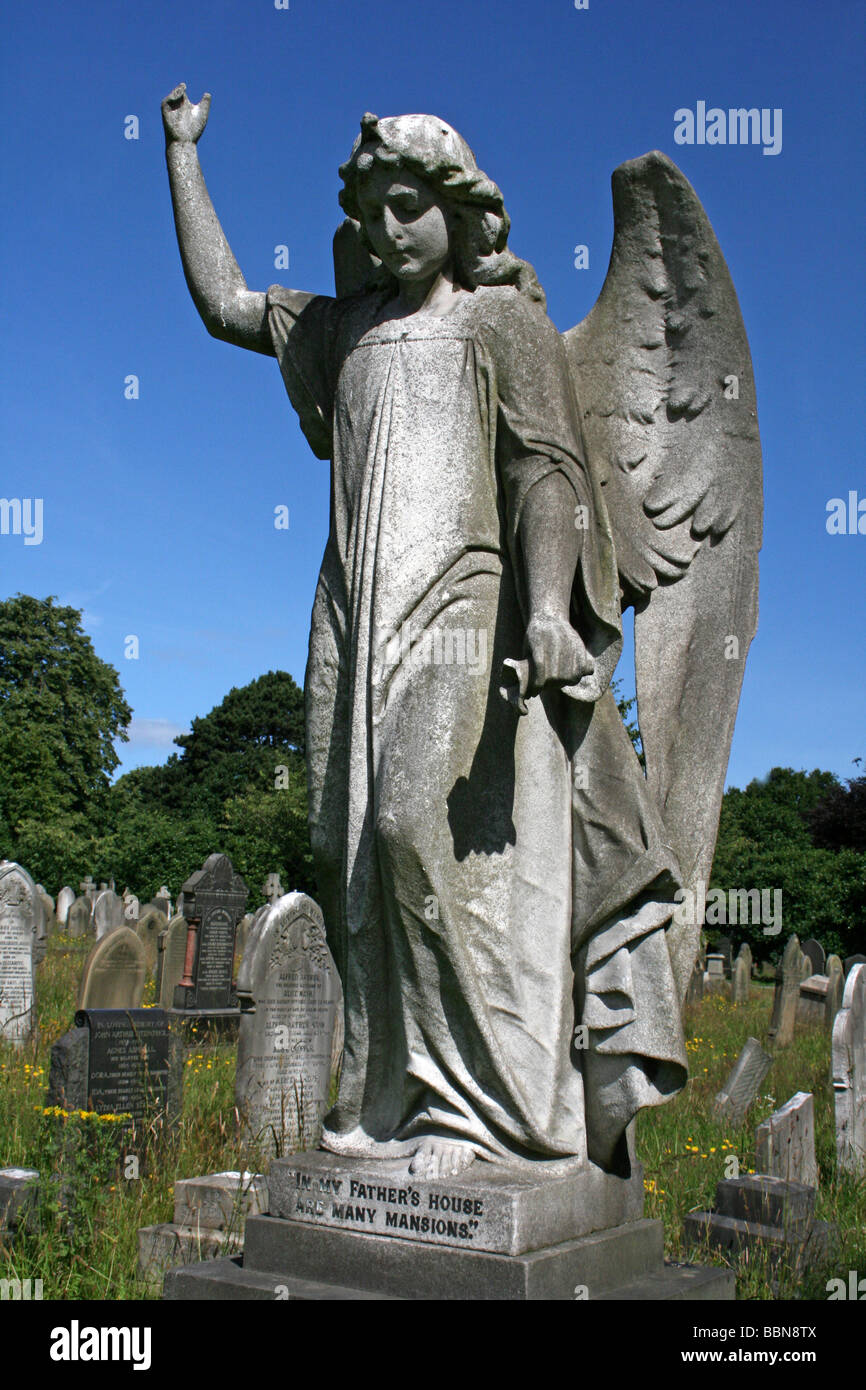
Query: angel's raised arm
{"type": "Point", "coordinates": [229, 310]}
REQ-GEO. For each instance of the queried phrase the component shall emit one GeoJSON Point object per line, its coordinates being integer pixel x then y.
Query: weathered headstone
{"type": "Point", "coordinates": [89, 889]}
{"type": "Point", "coordinates": [695, 992]}
{"type": "Point", "coordinates": [761, 1213]}
{"type": "Point", "coordinates": [741, 976]}
{"type": "Point", "coordinates": [147, 929]}
{"type": "Point", "coordinates": [785, 1142]}
{"type": "Point", "coordinates": [213, 903]}
{"type": "Point", "coordinates": [815, 951]}
{"type": "Point", "coordinates": [65, 899]}
{"type": "Point", "coordinates": [849, 1074]}
{"type": "Point", "coordinates": [48, 905]}
{"type": "Point", "coordinates": [209, 1217]}
{"type": "Point", "coordinates": [17, 941]}
{"type": "Point", "coordinates": [805, 967]}
{"type": "Point", "coordinates": [788, 977]}
{"type": "Point", "coordinates": [290, 995]}
{"type": "Point", "coordinates": [18, 1194]}
{"type": "Point", "coordinates": [114, 972]}
{"type": "Point", "coordinates": [162, 902]}
{"type": "Point", "coordinates": [741, 1087]}
{"type": "Point", "coordinates": [724, 947]}
{"type": "Point", "coordinates": [851, 961]}
{"type": "Point", "coordinates": [171, 954]}
{"type": "Point", "coordinates": [714, 977]}
{"type": "Point", "coordinates": [118, 1061]}
{"type": "Point", "coordinates": [835, 990]}
{"type": "Point", "coordinates": [273, 888]}
{"type": "Point", "coordinates": [42, 916]}
{"type": "Point", "coordinates": [78, 920]}
{"type": "Point", "coordinates": [107, 912]}
{"type": "Point", "coordinates": [812, 1003]}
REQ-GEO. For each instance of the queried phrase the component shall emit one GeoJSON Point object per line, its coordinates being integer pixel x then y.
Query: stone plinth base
{"type": "Point", "coordinates": [764, 1213]}
{"type": "Point", "coordinates": [346, 1229]}
{"type": "Point", "coordinates": [209, 1217]}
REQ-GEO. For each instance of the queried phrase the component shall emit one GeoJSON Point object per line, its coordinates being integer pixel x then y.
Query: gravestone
{"type": "Point", "coordinates": [89, 889]}
{"type": "Point", "coordinates": [695, 992]}
{"type": "Point", "coordinates": [17, 943]}
{"type": "Point", "coordinates": [724, 947]}
{"type": "Point", "coordinates": [805, 967]}
{"type": "Point", "coordinates": [41, 919]}
{"type": "Point", "coordinates": [65, 899]}
{"type": "Point", "coordinates": [785, 1142]}
{"type": "Point", "coordinates": [764, 1216]}
{"type": "Point", "coordinates": [812, 1003]}
{"type": "Point", "coordinates": [209, 1217]}
{"type": "Point", "coordinates": [107, 912]}
{"type": "Point", "coordinates": [835, 990]}
{"type": "Point", "coordinates": [114, 972]}
{"type": "Point", "coordinates": [851, 961]}
{"type": "Point", "coordinates": [242, 937]}
{"type": "Point", "coordinates": [815, 951]}
{"type": "Point", "coordinates": [213, 903]}
{"type": "Point", "coordinates": [118, 1061]}
{"type": "Point", "coordinates": [48, 908]}
{"type": "Point", "coordinates": [162, 902]}
{"type": "Point", "coordinates": [147, 929]}
{"type": "Point", "coordinates": [273, 888]}
{"type": "Point", "coordinates": [741, 1087]}
{"type": "Point", "coordinates": [171, 945]}
{"type": "Point", "coordinates": [714, 978]}
{"type": "Point", "coordinates": [741, 976]}
{"type": "Point", "coordinates": [290, 996]}
{"type": "Point", "coordinates": [788, 977]}
{"type": "Point", "coordinates": [78, 921]}
{"type": "Point", "coordinates": [849, 1074]}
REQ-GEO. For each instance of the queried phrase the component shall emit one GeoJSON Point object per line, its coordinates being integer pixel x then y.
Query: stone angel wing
{"type": "Point", "coordinates": [666, 394]}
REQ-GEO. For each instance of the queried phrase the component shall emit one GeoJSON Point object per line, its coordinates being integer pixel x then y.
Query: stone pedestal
{"type": "Point", "coordinates": [209, 1217]}
{"type": "Point", "coordinates": [764, 1213]}
{"type": "Point", "coordinates": [350, 1229]}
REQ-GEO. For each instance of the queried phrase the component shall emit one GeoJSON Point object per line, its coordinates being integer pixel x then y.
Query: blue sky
{"type": "Point", "coordinates": [158, 512]}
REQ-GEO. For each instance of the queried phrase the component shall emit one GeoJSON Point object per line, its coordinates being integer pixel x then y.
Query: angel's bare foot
{"type": "Point", "coordinates": [441, 1158]}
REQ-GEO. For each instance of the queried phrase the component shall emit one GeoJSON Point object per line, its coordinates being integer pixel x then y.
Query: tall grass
{"type": "Point", "coordinates": [84, 1241]}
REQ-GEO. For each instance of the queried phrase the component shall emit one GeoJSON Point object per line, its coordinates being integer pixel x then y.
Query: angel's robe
{"type": "Point", "coordinates": [489, 882]}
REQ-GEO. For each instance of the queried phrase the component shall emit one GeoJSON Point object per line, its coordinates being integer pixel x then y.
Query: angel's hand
{"type": "Point", "coordinates": [557, 653]}
{"type": "Point", "coordinates": [183, 121]}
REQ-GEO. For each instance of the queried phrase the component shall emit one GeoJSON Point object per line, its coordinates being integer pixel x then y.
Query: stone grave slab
{"type": "Point", "coordinates": [147, 929]}
{"type": "Point", "coordinates": [114, 972]}
{"type": "Point", "coordinates": [213, 903]}
{"type": "Point", "coordinates": [785, 1142]}
{"type": "Point", "coordinates": [118, 1061]}
{"type": "Point", "coordinates": [788, 978]}
{"type": "Point", "coordinates": [17, 946]}
{"type": "Point", "coordinates": [290, 996]}
{"type": "Point", "coordinates": [743, 1083]}
{"type": "Point", "coordinates": [78, 922]}
{"type": "Point", "coordinates": [835, 990]}
{"type": "Point", "coordinates": [65, 899]}
{"type": "Point", "coordinates": [817, 957]}
{"type": "Point", "coordinates": [849, 1074]}
{"type": "Point", "coordinates": [171, 952]}
{"type": "Point", "coordinates": [107, 913]}
{"type": "Point", "coordinates": [812, 1003]}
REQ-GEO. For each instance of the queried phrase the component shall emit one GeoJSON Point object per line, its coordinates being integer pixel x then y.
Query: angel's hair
{"type": "Point", "coordinates": [434, 151]}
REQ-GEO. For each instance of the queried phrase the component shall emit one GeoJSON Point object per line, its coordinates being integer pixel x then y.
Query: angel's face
{"type": "Point", "coordinates": [407, 224]}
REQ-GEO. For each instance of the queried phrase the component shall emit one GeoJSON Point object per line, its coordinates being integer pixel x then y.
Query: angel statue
{"type": "Point", "coordinates": [499, 876]}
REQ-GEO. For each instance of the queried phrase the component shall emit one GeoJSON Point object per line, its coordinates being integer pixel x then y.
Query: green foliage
{"type": "Point", "coordinates": [766, 842]}
{"type": "Point", "coordinates": [61, 709]}
{"type": "Point", "coordinates": [221, 794]}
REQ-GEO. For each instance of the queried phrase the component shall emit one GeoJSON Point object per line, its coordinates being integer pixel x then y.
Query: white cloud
{"type": "Point", "coordinates": [154, 733]}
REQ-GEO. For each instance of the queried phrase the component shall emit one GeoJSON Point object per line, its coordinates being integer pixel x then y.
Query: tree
{"type": "Point", "coordinates": [61, 708]}
{"type": "Point", "coordinates": [838, 821]}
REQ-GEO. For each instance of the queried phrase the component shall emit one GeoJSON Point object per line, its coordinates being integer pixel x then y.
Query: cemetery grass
{"type": "Point", "coordinates": [84, 1241]}
{"type": "Point", "coordinates": [686, 1151]}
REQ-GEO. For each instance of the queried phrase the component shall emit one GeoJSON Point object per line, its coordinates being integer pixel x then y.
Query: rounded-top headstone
{"type": "Point", "coordinates": [290, 997]}
{"type": "Point", "coordinates": [114, 972]}
{"type": "Point", "coordinates": [107, 912]}
{"type": "Point", "coordinates": [147, 928]}
{"type": "Point", "coordinates": [65, 899]}
{"type": "Point", "coordinates": [79, 920]}
{"type": "Point", "coordinates": [18, 920]}
{"type": "Point", "coordinates": [171, 956]}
